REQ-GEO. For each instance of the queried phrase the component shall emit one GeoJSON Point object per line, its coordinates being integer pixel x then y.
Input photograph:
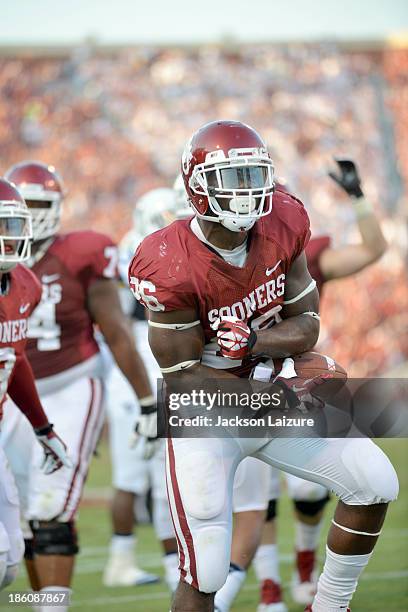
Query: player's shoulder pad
{"type": "Point", "coordinates": [27, 279]}
{"type": "Point", "coordinates": [288, 224]}
{"type": "Point", "coordinates": [83, 241]}
{"type": "Point", "coordinates": [163, 258]}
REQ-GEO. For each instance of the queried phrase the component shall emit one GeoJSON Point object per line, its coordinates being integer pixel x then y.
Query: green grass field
{"type": "Point", "coordinates": [383, 588]}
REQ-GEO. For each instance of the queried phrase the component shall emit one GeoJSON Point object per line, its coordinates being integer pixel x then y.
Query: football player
{"type": "Point", "coordinates": [20, 292]}
{"type": "Point", "coordinates": [325, 263]}
{"type": "Point", "coordinates": [133, 475]}
{"type": "Point", "coordinates": [78, 273]}
{"type": "Point", "coordinates": [236, 269]}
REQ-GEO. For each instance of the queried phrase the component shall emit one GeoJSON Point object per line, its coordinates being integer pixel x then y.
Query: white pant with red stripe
{"type": "Point", "coordinates": [77, 414]}
{"type": "Point", "coordinates": [11, 537]}
{"type": "Point", "coordinates": [200, 475]}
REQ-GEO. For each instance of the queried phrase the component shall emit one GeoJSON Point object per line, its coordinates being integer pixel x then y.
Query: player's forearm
{"type": "Point", "coordinates": [290, 337]}
{"type": "Point", "coordinates": [122, 346]}
{"type": "Point", "coordinates": [23, 392]}
{"type": "Point", "coordinates": [372, 237]}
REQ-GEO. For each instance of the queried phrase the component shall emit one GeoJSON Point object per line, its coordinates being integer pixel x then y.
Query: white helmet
{"type": "Point", "coordinates": [15, 227]}
{"type": "Point", "coordinates": [154, 210]}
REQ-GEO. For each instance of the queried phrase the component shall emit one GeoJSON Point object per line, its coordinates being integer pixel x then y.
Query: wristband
{"type": "Point", "coordinates": [44, 431]}
{"type": "Point", "coordinates": [362, 207]}
{"type": "Point", "coordinates": [147, 404]}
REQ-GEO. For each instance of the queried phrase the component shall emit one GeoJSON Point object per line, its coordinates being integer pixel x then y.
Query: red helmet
{"type": "Point", "coordinates": [228, 174]}
{"type": "Point", "coordinates": [38, 182]}
{"type": "Point", "coordinates": [15, 227]}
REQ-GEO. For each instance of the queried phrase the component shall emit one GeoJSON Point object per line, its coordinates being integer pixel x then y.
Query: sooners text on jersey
{"type": "Point", "coordinates": [173, 270]}
{"type": "Point", "coordinates": [23, 295]}
{"type": "Point", "coordinates": [61, 329]}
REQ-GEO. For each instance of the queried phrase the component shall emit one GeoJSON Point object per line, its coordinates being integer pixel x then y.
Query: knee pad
{"type": "Point", "coordinates": [311, 508]}
{"type": "Point", "coordinates": [212, 545]}
{"type": "Point", "coordinates": [54, 538]}
{"type": "Point", "coordinates": [271, 510]}
{"type": "Point", "coordinates": [373, 473]}
{"type": "Point", "coordinates": [202, 484]}
{"type": "Point", "coordinates": [29, 549]}
{"type": "Point", "coordinates": [163, 524]}
{"type": "Point", "coordinates": [9, 576]}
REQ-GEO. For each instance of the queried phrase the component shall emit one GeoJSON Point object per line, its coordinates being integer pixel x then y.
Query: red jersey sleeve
{"type": "Point", "coordinates": [23, 392]}
{"type": "Point", "coordinates": [91, 256]}
{"type": "Point", "coordinates": [314, 249]}
{"type": "Point", "coordinates": [158, 276]}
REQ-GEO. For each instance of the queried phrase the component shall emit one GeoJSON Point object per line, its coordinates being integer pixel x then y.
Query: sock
{"type": "Point", "coordinates": [307, 536]}
{"type": "Point", "coordinates": [122, 544]}
{"type": "Point", "coordinates": [225, 597]}
{"type": "Point", "coordinates": [171, 570]}
{"type": "Point", "coordinates": [338, 581]}
{"type": "Point", "coordinates": [55, 607]}
{"type": "Point", "coordinates": [266, 563]}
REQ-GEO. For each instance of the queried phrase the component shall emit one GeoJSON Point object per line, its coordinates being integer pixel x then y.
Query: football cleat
{"type": "Point", "coordinates": [119, 574]}
{"type": "Point", "coordinates": [304, 582]}
{"type": "Point", "coordinates": [271, 597]}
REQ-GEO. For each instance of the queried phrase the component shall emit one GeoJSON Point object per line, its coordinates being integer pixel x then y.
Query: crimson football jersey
{"type": "Point", "coordinates": [173, 270]}
{"type": "Point", "coordinates": [313, 251]}
{"type": "Point", "coordinates": [16, 305]}
{"type": "Point", "coordinates": [61, 329]}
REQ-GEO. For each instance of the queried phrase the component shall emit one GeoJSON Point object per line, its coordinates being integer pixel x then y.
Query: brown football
{"type": "Point", "coordinates": [333, 376]}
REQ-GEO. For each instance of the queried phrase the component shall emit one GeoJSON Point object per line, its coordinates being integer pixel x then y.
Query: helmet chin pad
{"type": "Point", "coordinates": [237, 225]}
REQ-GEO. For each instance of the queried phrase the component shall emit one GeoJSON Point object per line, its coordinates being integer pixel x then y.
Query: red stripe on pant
{"type": "Point", "coordinates": [88, 416]}
{"type": "Point", "coordinates": [182, 516]}
{"type": "Point", "coordinates": [182, 557]}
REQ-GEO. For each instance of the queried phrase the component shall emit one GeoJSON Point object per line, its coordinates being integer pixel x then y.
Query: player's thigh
{"type": "Point", "coordinates": [251, 485]}
{"type": "Point", "coordinates": [11, 537]}
{"type": "Point", "coordinates": [200, 475]}
{"type": "Point", "coordinates": [77, 413]}
{"type": "Point", "coordinates": [356, 470]}
{"type": "Point", "coordinates": [304, 490]}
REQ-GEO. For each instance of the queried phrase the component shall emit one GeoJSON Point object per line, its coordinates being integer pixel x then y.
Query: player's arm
{"type": "Point", "coordinates": [299, 330]}
{"type": "Point", "coordinates": [350, 259]}
{"type": "Point", "coordinates": [106, 311]}
{"type": "Point", "coordinates": [23, 392]}
{"type": "Point", "coordinates": [177, 342]}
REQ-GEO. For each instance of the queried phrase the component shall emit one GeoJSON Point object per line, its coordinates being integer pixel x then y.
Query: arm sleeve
{"type": "Point", "coordinates": [23, 392]}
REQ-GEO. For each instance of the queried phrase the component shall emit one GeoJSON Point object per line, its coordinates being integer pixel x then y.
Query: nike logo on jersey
{"type": "Point", "coordinates": [49, 278]}
{"type": "Point", "coordinates": [269, 271]}
{"type": "Point", "coordinates": [24, 308]}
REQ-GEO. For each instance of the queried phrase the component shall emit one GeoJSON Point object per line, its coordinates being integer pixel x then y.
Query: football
{"type": "Point", "coordinates": [322, 375]}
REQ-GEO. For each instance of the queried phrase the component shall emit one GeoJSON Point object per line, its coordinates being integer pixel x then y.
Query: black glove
{"type": "Point", "coordinates": [348, 179]}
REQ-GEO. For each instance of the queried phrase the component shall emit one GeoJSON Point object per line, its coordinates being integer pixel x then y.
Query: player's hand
{"type": "Point", "coordinates": [55, 450]}
{"type": "Point", "coordinates": [235, 338]}
{"type": "Point", "coordinates": [348, 179]}
{"type": "Point", "coordinates": [145, 434]}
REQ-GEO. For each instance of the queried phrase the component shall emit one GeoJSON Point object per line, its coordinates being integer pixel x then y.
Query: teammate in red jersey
{"type": "Point", "coordinates": [239, 267]}
{"type": "Point", "coordinates": [78, 276]}
{"type": "Point", "coordinates": [325, 263]}
{"type": "Point", "coordinates": [20, 292]}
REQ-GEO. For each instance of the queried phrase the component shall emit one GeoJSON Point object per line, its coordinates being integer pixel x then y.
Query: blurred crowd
{"type": "Point", "coordinates": [114, 125]}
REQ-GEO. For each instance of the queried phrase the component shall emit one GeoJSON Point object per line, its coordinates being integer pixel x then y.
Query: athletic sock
{"type": "Point", "coordinates": [266, 563]}
{"type": "Point", "coordinates": [338, 581]}
{"type": "Point", "coordinates": [307, 536]}
{"type": "Point", "coordinates": [171, 570]}
{"type": "Point", "coordinates": [54, 607]}
{"type": "Point", "coordinates": [122, 544]}
{"type": "Point", "coordinates": [225, 597]}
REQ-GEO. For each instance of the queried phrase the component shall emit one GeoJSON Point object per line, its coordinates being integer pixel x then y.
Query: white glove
{"type": "Point", "coordinates": [145, 435]}
{"type": "Point", "coordinates": [55, 450]}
